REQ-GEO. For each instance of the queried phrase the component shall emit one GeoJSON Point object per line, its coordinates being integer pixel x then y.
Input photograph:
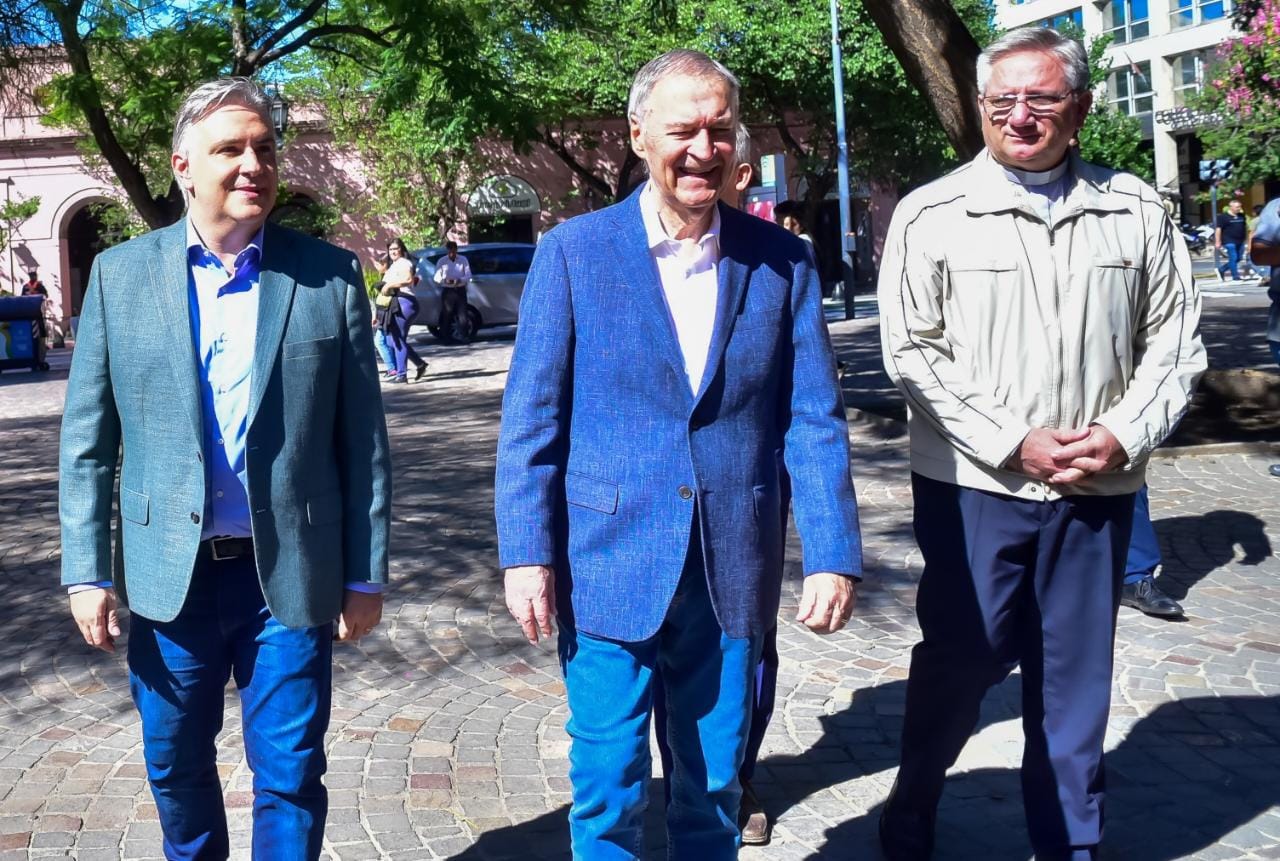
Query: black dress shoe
{"type": "Point", "coordinates": [905, 835]}
{"type": "Point", "coordinates": [422, 369]}
{"type": "Point", "coordinates": [1146, 596]}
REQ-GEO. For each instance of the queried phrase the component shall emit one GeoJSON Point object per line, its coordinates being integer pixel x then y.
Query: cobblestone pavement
{"type": "Point", "coordinates": [447, 738]}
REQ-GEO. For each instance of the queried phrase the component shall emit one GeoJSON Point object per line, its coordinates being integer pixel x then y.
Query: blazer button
{"type": "Point", "coordinates": [195, 518]}
{"type": "Point", "coordinates": [685, 492]}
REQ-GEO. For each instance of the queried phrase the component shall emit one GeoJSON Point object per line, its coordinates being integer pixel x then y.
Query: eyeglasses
{"type": "Point", "coordinates": [1039, 104]}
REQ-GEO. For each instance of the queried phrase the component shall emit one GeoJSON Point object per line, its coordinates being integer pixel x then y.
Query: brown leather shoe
{"type": "Point", "coordinates": [752, 820]}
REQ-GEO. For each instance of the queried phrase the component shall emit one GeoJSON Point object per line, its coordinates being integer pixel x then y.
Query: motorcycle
{"type": "Point", "coordinates": [1197, 238]}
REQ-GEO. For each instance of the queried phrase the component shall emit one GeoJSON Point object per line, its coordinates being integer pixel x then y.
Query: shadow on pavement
{"type": "Point", "coordinates": [1185, 776]}
{"type": "Point", "coordinates": [1193, 547]}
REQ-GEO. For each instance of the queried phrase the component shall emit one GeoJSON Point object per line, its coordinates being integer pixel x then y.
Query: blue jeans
{"type": "Point", "coordinates": [1233, 250]}
{"type": "Point", "coordinates": [398, 334]}
{"type": "Point", "coordinates": [177, 674]}
{"type": "Point", "coordinates": [709, 680]}
{"type": "Point", "coordinates": [383, 345]}
{"type": "Point", "coordinates": [1144, 549]}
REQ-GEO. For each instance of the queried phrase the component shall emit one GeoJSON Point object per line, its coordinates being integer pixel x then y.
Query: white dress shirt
{"type": "Point", "coordinates": [453, 273]}
{"type": "Point", "coordinates": [688, 272]}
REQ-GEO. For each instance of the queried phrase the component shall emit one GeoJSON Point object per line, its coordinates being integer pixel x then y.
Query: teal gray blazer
{"type": "Point", "coordinates": [318, 464]}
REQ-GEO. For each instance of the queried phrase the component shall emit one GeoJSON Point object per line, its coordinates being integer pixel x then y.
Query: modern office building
{"type": "Point", "coordinates": [1158, 56]}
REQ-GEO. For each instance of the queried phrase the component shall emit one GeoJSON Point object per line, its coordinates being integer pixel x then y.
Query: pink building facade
{"type": "Point", "coordinates": [524, 196]}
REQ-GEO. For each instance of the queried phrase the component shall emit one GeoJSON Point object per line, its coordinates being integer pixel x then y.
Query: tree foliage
{"type": "Point", "coordinates": [1111, 138]}
{"type": "Point", "coordinates": [1242, 91]}
{"type": "Point", "coordinates": [12, 214]}
{"type": "Point", "coordinates": [120, 68]}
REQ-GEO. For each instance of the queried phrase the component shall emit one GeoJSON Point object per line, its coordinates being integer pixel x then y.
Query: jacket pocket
{"type": "Point", "coordinates": [593, 493]}
{"type": "Point", "coordinates": [326, 508]}
{"type": "Point", "coordinates": [1114, 273]}
{"type": "Point", "coordinates": [981, 263]}
{"type": "Point", "coordinates": [314, 347]}
{"type": "Point", "coordinates": [135, 507]}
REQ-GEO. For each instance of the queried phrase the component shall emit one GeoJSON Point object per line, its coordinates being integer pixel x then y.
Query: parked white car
{"type": "Point", "coordinates": [498, 270]}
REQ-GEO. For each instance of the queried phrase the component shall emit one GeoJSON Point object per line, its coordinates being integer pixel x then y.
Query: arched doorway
{"type": "Point", "coordinates": [91, 230]}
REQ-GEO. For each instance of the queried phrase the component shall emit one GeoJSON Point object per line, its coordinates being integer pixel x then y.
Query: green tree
{"type": "Point", "coordinates": [1242, 92]}
{"type": "Point", "coordinates": [120, 68]}
{"type": "Point", "coordinates": [1111, 138]}
{"type": "Point", "coordinates": [12, 214]}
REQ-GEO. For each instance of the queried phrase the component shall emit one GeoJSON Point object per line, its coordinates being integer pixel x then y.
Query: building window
{"type": "Point", "coordinates": [1129, 89]}
{"type": "Point", "coordinates": [1189, 13]}
{"type": "Point", "coordinates": [1188, 76]}
{"type": "Point", "coordinates": [1070, 18]}
{"type": "Point", "coordinates": [1127, 20]}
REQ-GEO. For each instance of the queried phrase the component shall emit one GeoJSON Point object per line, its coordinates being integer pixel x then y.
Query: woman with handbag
{"type": "Point", "coordinates": [397, 286]}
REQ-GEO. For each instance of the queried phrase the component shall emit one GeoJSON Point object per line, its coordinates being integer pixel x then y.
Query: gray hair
{"type": "Point", "coordinates": [681, 61]}
{"type": "Point", "coordinates": [211, 95]}
{"type": "Point", "coordinates": [1069, 53]}
{"type": "Point", "coordinates": [741, 146]}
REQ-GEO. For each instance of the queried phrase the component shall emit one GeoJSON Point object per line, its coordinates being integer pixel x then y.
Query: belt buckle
{"type": "Point", "coordinates": [214, 552]}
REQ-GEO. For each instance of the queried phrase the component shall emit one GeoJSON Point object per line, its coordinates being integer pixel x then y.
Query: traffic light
{"type": "Point", "coordinates": [1215, 169]}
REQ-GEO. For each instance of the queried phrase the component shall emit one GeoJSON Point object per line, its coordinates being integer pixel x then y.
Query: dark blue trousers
{"type": "Point", "coordinates": [1017, 582]}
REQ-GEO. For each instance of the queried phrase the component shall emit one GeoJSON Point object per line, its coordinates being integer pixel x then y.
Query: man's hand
{"type": "Point", "coordinates": [1099, 451]}
{"type": "Point", "coordinates": [95, 613]}
{"type": "Point", "coordinates": [827, 602]}
{"type": "Point", "coordinates": [361, 613]}
{"type": "Point", "coordinates": [531, 599]}
{"type": "Point", "coordinates": [1036, 456]}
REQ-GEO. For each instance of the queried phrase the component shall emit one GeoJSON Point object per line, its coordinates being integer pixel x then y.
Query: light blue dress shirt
{"type": "Point", "coordinates": [224, 324]}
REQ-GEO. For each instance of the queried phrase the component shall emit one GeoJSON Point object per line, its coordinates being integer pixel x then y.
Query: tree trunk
{"type": "Point", "coordinates": [938, 53]}
{"type": "Point", "coordinates": [155, 212]}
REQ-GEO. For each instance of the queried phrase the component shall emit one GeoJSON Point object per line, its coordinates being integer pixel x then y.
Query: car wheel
{"type": "Point", "coordinates": [434, 330]}
{"type": "Point", "coordinates": [473, 321]}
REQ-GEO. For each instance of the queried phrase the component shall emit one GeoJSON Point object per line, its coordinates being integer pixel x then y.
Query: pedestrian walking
{"type": "Point", "coordinates": [638, 492]}
{"type": "Point", "coordinates": [381, 310]}
{"type": "Point", "coordinates": [397, 284]}
{"type": "Point", "coordinates": [1230, 231]}
{"type": "Point", "coordinates": [241, 404]}
{"type": "Point", "coordinates": [1039, 315]}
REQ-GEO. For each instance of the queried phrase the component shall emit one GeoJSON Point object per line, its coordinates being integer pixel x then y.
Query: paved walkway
{"type": "Point", "coordinates": [448, 729]}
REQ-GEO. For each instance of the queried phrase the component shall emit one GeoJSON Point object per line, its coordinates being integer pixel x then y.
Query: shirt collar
{"type": "Point", "coordinates": [656, 234]}
{"type": "Point", "coordinates": [196, 249]}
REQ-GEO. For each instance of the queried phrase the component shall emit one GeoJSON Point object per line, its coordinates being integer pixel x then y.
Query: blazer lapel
{"type": "Point", "coordinates": [641, 276]}
{"type": "Point", "coordinates": [733, 275]}
{"type": "Point", "coordinates": [170, 274]}
{"type": "Point", "coordinates": [276, 283]}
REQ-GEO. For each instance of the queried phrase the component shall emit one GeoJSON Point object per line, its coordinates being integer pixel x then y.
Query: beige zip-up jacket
{"type": "Point", "coordinates": [994, 322]}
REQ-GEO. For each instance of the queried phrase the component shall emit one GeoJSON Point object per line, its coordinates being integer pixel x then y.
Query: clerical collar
{"type": "Point", "coordinates": [1037, 177]}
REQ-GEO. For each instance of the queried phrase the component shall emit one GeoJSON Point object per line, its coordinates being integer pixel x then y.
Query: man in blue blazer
{"type": "Point", "coordinates": [226, 365]}
{"type": "Point", "coordinates": [669, 350]}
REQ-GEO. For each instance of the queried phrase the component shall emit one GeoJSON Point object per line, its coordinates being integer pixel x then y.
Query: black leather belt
{"type": "Point", "coordinates": [221, 549]}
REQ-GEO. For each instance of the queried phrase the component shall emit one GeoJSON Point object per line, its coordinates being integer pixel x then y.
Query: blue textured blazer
{"type": "Point", "coordinates": [605, 454]}
{"type": "Point", "coordinates": [318, 465]}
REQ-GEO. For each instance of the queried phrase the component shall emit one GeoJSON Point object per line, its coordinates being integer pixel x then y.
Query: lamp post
{"type": "Point", "coordinates": [279, 115]}
{"type": "Point", "coordinates": [842, 166]}
{"type": "Point", "coordinates": [8, 230]}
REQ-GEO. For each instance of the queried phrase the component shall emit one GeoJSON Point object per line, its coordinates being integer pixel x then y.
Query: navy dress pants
{"type": "Point", "coordinates": [1011, 582]}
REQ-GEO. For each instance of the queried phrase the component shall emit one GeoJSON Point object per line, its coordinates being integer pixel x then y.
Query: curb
{"type": "Point", "coordinates": [1213, 448]}
{"type": "Point", "coordinates": [892, 427]}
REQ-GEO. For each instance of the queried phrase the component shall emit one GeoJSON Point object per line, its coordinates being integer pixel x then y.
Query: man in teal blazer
{"type": "Point", "coordinates": [226, 365]}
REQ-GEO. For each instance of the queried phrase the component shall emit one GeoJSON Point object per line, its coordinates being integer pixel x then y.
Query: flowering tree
{"type": "Point", "coordinates": [1243, 90]}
